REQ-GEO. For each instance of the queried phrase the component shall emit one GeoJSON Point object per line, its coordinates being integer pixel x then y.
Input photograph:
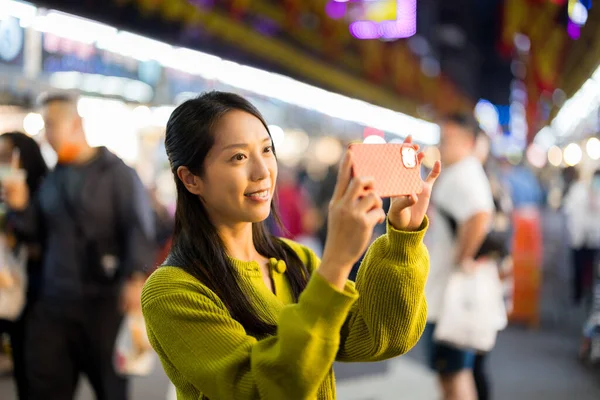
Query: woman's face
{"type": "Point", "coordinates": [239, 171]}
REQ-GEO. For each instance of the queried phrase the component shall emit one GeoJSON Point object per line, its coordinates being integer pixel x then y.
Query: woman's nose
{"type": "Point", "coordinates": [260, 170]}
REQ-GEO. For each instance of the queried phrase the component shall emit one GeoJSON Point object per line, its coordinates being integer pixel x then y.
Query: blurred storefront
{"type": "Point", "coordinates": [313, 41]}
{"type": "Point", "coordinates": [129, 85]}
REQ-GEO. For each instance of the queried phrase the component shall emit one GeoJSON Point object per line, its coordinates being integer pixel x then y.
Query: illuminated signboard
{"type": "Point", "coordinates": [377, 19]}
{"type": "Point", "coordinates": [65, 55]}
{"type": "Point", "coordinates": [61, 55]}
{"type": "Point", "coordinates": [70, 64]}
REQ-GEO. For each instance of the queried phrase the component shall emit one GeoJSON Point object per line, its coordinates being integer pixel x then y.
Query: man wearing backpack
{"type": "Point", "coordinates": [462, 207]}
{"type": "Point", "coordinates": [94, 218]}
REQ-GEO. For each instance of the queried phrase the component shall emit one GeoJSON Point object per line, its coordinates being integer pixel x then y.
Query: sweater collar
{"type": "Point", "coordinates": [252, 268]}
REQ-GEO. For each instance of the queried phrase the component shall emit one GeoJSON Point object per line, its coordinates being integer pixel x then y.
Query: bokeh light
{"type": "Point", "coordinates": [277, 134]}
{"type": "Point", "coordinates": [536, 156]}
{"type": "Point", "coordinates": [33, 123]}
{"type": "Point", "coordinates": [592, 148]}
{"type": "Point", "coordinates": [555, 156]}
{"type": "Point", "coordinates": [328, 150]}
{"type": "Point", "coordinates": [572, 154]}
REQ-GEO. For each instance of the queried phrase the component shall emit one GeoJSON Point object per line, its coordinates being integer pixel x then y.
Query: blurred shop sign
{"type": "Point", "coordinates": [183, 84]}
{"type": "Point", "coordinates": [294, 38]}
{"type": "Point", "coordinates": [12, 39]}
{"type": "Point", "coordinates": [66, 55]}
{"type": "Point", "coordinates": [74, 65]}
{"type": "Point", "coordinates": [376, 19]}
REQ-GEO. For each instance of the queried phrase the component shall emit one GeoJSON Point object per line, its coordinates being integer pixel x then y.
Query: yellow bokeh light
{"type": "Point", "coordinates": [555, 156]}
{"type": "Point", "coordinates": [572, 154]}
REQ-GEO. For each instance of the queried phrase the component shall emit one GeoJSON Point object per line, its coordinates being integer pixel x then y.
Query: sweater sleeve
{"type": "Point", "coordinates": [195, 335]}
{"type": "Point", "coordinates": [390, 314]}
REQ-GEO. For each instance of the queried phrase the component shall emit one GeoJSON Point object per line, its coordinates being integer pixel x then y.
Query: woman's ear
{"type": "Point", "coordinates": [191, 182]}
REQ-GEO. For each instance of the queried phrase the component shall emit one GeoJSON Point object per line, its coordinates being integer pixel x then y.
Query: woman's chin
{"type": "Point", "coordinates": [259, 215]}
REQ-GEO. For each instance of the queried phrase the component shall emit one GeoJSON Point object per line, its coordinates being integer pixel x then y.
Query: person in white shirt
{"type": "Point", "coordinates": [462, 206]}
{"type": "Point", "coordinates": [581, 206]}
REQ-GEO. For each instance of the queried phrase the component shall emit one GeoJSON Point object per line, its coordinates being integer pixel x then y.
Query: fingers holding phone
{"type": "Point", "coordinates": [354, 211]}
{"type": "Point", "coordinates": [394, 167]}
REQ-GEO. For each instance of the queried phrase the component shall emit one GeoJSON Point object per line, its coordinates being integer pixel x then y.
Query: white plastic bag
{"type": "Point", "coordinates": [133, 353]}
{"type": "Point", "coordinates": [473, 310]}
{"type": "Point", "coordinates": [171, 392]}
{"type": "Point", "coordinates": [13, 281]}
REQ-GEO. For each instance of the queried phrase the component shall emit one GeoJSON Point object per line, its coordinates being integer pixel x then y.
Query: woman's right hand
{"type": "Point", "coordinates": [354, 211]}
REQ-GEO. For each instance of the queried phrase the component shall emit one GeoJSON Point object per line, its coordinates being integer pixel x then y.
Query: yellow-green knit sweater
{"type": "Point", "coordinates": [206, 352]}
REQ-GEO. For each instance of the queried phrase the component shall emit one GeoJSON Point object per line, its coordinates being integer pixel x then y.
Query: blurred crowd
{"type": "Point", "coordinates": [77, 244]}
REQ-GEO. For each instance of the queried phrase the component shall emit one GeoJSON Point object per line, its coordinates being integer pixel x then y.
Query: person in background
{"type": "Point", "coordinates": [29, 158]}
{"type": "Point", "coordinates": [589, 351]}
{"type": "Point", "coordinates": [164, 226]}
{"type": "Point", "coordinates": [322, 198]}
{"type": "Point", "coordinates": [570, 176]}
{"type": "Point", "coordinates": [581, 206]}
{"type": "Point", "coordinates": [236, 313]}
{"type": "Point", "coordinates": [524, 186]}
{"type": "Point", "coordinates": [292, 203]}
{"type": "Point", "coordinates": [298, 217]}
{"type": "Point", "coordinates": [462, 192]}
{"type": "Point", "coordinates": [93, 216]}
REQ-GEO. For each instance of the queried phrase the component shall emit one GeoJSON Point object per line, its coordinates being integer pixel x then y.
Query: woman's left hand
{"type": "Point", "coordinates": [407, 212]}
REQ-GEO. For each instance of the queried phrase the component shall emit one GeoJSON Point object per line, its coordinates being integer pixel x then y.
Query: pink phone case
{"type": "Point", "coordinates": [395, 167]}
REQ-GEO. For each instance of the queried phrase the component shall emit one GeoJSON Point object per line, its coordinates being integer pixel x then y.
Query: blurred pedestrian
{"type": "Point", "coordinates": [17, 150]}
{"type": "Point", "coordinates": [581, 207]}
{"type": "Point", "coordinates": [93, 216]}
{"type": "Point", "coordinates": [462, 207]}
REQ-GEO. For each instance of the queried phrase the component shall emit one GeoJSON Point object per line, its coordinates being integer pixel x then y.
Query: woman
{"type": "Point", "coordinates": [237, 314]}
{"type": "Point", "coordinates": [30, 159]}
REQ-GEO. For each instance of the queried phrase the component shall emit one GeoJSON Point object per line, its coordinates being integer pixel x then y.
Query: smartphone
{"type": "Point", "coordinates": [395, 167]}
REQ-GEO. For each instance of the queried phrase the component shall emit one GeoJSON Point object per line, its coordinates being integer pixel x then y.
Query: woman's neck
{"type": "Point", "coordinates": [238, 241]}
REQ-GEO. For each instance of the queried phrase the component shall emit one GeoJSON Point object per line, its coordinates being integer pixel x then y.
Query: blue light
{"type": "Point", "coordinates": [503, 114]}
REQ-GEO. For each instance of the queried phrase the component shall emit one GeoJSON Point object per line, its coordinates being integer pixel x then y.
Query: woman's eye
{"type": "Point", "coordinates": [268, 149]}
{"type": "Point", "coordinates": [239, 157]}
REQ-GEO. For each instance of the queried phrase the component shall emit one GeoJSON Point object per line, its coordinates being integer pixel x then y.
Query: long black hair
{"type": "Point", "coordinates": [31, 158]}
{"type": "Point", "coordinates": [197, 247]}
